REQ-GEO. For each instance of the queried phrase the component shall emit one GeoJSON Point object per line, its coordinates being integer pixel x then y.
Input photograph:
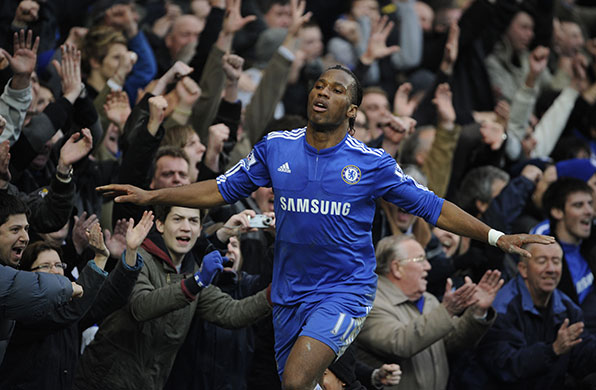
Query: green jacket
{"type": "Point", "coordinates": [135, 347]}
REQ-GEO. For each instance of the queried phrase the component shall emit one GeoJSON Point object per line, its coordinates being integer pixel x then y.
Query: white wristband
{"type": "Point", "coordinates": [493, 236]}
{"type": "Point", "coordinates": [114, 86]}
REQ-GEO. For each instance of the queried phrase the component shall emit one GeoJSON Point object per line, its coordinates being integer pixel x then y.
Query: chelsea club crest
{"type": "Point", "coordinates": [351, 174]}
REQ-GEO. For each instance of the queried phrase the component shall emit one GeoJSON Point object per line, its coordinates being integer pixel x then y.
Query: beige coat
{"type": "Point", "coordinates": [396, 332]}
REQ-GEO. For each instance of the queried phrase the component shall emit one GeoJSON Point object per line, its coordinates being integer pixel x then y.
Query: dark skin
{"type": "Point", "coordinates": [329, 109]}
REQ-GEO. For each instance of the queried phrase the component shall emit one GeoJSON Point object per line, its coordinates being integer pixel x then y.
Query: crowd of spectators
{"type": "Point", "coordinates": [488, 103]}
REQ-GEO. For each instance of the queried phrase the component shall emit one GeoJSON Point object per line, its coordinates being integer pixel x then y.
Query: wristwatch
{"type": "Point", "coordinates": [64, 177]}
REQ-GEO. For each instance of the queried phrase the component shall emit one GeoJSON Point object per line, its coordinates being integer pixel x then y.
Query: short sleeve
{"type": "Point", "coordinates": [403, 191]}
{"type": "Point", "coordinates": [246, 176]}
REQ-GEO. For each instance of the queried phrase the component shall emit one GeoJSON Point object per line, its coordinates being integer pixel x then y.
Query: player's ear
{"type": "Point", "coordinates": [352, 111]}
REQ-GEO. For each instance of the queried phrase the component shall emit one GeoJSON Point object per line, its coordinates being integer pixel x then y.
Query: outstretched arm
{"type": "Point", "coordinates": [456, 220]}
{"type": "Point", "coordinates": [202, 194]}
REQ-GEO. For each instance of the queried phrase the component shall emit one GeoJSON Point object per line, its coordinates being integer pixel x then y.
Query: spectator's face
{"type": "Point", "coordinates": [180, 230]}
{"type": "Point", "coordinates": [425, 16]}
{"type": "Point", "coordinates": [331, 381]}
{"type": "Point", "coordinates": [49, 261]}
{"type": "Point", "coordinates": [376, 107]}
{"type": "Point", "coordinates": [361, 131]}
{"type": "Point", "coordinates": [14, 237]}
{"type": "Point", "coordinates": [186, 31]}
{"type": "Point", "coordinates": [44, 98]}
{"type": "Point", "coordinates": [572, 39]}
{"type": "Point", "coordinates": [542, 272]}
{"type": "Point", "coordinates": [369, 8]}
{"type": "Point", "coordinates": [170, 172]}
{"type": "Point", "coordinates": [311, 42]}
{"type": "Point", "coordinates": [111, 61]}
{"type": "Point", "coordinates": [403, 219]}
{"type": "Point", "coordinates": [194, 150]}
{"type": "Point", "coordinates": [449, 241]}
{"type": "Point", "coordinates": [110, 141]}
{"type": "Point", "coordinates": [234, 255]}
{"type": "Point", "coordinates": [521, 31]}
{"type": "Point", "coordinates": [279, 16]}
{"type": "Point", "coordinates": [412, 275]}
{"type": "Point", "coordinates": [574, 223]}
{"type": "Point", "coordinates": [329, 101]}
{"type": "Point", "coordinates": [265, 199]}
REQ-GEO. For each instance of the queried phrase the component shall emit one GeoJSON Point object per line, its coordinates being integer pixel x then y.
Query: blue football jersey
{"type": "Point", "coordinates": [324, 208]}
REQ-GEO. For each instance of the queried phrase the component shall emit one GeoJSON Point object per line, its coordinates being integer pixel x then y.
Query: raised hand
{"type": "Point", "coordinates": [512, 243]}
{"type": "Point", "coordinates": [27, 12]}
{"type": "Point", "coordinates": [538, 60]}
{"type": "Point", "coordinates": [135, 235]}
{"type": "Point", "coordinates": [125, 64]}
{"type": "Point", "coordinates": [178, 71]}
{"type": "Point", "coordinates": [76, 35]}
{"type": "Point", "coordinates": [493, 134]}
{"type": "Point", "coordinates": [78, 146]}
{"type": "Point", "coordinates": [123, 17]}
{"type": "Point", "coordinates": [444, 104]}
{"type": "Point", "coordinates": [377, 42]}
{"type": "Point", "coordinates": [232, 65]}
{"type": "Point", "coordinates": [567, 337]}
{"type": "Point", "coordinates": [218, 134]}
{"type": "Point", "coordinates": [23, 60]}
{"type": "Point", "coordinates": [451, 49]}
{"type": "Point", "coordinates": [157, 113]}
{"type": "Point", "coordinates": [116, 241]}
{"type": "Point", "coordinates": [486, 291]}
{"type": "Point", "coordinates": [299, 18]}
{"type": "Point", "coordinates": [234, 21]}
{"type": "Point", "coordinates": [457, 301]}
{"type": "Point", "coordinates": [82, 225]}
{"type": "Point", "coordinates": [70, 72]}
{"type": "Point", "coordinates": [117, 108]}
{"type": "Point", "coordinates": [402, 104]}
{"type": "Point", "coordinates": [188, 91]}
{"type": "Point", "coordinates": [236, 225]}
{"type": "Point", "coordinates": [96, 242]}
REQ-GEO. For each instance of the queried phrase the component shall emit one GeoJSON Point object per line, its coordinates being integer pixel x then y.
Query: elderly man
{"type": "Point", "coordinates": [538, 337]}
{"type": "Point", "coordinates": [410, 326]}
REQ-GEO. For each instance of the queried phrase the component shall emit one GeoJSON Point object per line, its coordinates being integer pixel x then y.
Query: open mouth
{"type": "Point", "coordinates": [319, 107]}
{"type": "Point", "coordinates": [18, 251]}
{"type": "Point", "coordinates": [184, 240]}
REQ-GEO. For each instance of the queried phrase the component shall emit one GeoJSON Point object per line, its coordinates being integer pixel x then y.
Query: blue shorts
{"type": "Point", "coordinates": [334, 321]}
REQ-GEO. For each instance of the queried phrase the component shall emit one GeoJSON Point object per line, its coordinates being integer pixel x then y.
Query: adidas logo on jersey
{"type": "Point", "coordinates": [285, 168]}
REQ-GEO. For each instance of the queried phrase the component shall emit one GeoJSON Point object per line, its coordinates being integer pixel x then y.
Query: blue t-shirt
{"type": "Point", "coordinates": [324, 208]}
{"type": "Point", "coordinates": [581, 275]}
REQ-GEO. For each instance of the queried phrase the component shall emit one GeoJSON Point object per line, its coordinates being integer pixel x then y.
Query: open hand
{"type": "Point", "coordinates": [78, 146]}
{"type": "Point", "coordinates": [116, 241]}
{"type": "Point", "coordinates": [457, 301]}
{"type": "Point", "coordinates": [234, 21]}
{"type": "Point", "coordinates": [135, 235]}
{"type": "Point", "coordinates": [512, 243]}
{"type": "Point", "coordinates": [69, 71]}
{"type": "Point", "coordinates": [568, 337]}
{"type": "Point", "coordinates": [123, 193]}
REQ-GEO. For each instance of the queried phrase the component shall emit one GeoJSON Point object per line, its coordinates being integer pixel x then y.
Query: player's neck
{"type": "Point", "coordinates": [325, 139]}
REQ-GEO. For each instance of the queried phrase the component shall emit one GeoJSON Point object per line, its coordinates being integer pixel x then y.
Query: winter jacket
{"type": "Point", "coordinates": [517, 352]}
{"type": "Point", "coordinates": [396, 332]}
{"type": "Point", "coordinates": [28, 296]}
{"type": "Point", "coordinates": [135, 347]}
{"type": "Point", "coordinates": [51, 348]}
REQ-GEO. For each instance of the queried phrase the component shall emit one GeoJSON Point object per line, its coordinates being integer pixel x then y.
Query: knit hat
{"type": "Point", "coordinates": [579, 168]}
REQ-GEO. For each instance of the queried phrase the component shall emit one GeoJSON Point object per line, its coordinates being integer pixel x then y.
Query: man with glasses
{"type": "Point", "coordinates": [408, 325]}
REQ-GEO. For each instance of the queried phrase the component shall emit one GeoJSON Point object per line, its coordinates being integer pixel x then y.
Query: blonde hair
{"type": "Point", "coordinates": [97, 44]}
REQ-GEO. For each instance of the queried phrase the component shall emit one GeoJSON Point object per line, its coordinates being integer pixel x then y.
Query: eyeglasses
{"type": "Point", "coordinates": [418, 259]}
{"type": "Point", "coordinates": [48, 267]}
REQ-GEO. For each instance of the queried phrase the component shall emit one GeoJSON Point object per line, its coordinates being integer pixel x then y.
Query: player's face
{"type": "Point", "coordinates": [329, 101]}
